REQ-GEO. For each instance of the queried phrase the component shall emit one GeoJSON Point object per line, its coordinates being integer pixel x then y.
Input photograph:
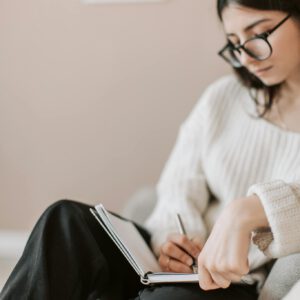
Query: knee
{"type": "Point", "coordinates": [61, 204]}
{"type": "Point", "coordinates": [61, 209]}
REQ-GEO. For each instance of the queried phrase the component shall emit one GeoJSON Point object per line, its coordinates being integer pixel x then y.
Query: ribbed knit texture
{"type": "Point", "coordinates": [222, 153]}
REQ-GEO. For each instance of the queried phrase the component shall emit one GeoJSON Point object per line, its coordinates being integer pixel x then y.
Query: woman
{"type": "Point", "coordinates": [234, 174]}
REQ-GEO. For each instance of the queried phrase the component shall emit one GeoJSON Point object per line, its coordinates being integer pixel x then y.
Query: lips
{"type": "Point", "coordinates": [261, 71]}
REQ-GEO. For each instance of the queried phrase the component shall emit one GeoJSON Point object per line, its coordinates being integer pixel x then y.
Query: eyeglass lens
{"type": "Point", "coordinates": [257, 48]}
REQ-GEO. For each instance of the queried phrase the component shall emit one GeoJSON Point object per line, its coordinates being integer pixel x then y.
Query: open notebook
{"type": "Point", "coordinates": [130, 242]}
{"type": "Point", "coordinates": [128, 239]}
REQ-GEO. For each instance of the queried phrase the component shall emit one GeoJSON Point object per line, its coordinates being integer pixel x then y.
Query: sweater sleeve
{"type": "Point", "coordinates": [182, 185]}
{"type": "Point", "coordinates": [281, 202]}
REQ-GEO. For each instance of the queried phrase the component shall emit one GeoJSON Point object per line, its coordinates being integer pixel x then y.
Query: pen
{"type": "Point", "coordinates": [183, 231]}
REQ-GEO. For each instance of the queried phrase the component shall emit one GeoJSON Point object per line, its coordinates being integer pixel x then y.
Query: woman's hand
{"type": "Point", "coordinates": [224, 257]}
{"type": "Point", "coordinates": [178, 252]}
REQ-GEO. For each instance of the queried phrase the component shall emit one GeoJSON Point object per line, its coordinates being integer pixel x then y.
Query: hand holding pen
{"type": "Point", "coordinates": [179, 253]}
{"type": "Point", "coordinates": [183, 232]}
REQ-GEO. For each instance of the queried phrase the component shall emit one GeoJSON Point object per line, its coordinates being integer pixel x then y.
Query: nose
{"type": "Point", "coordinates": [245, 59]}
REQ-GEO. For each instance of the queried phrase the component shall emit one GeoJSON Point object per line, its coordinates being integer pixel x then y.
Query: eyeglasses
{"type": "Point", "coordinates": [257, 47]}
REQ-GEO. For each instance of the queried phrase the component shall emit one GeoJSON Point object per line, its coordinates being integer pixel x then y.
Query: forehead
{"type": "Point", "coordinates": [237, 17]}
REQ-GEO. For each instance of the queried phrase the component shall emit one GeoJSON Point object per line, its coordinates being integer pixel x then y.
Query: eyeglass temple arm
{"type": "Point", "coordinates": [279, 24]}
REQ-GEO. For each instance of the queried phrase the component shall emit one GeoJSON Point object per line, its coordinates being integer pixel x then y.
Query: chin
{"type": "Point", "coordinates": [271, 81]}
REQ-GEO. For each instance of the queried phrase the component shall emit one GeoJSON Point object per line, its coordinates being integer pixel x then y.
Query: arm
{"type": "Point", "coordinates": [182, 186]}
{"type": "Point", "coordinates": [275, 206]}
{"type": "Point", "coordinates": [281, 203]}
{"type": "Point", "coordinates": [224, 257]}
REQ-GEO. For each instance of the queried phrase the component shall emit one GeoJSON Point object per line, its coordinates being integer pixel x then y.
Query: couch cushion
{"type": "Point", "coordinates": [284, 274]}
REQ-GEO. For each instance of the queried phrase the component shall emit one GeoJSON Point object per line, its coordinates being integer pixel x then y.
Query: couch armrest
{"type": "Point", "coordinates": [140, 205]}
{"type": "Point", "coordinates": [284, 274]}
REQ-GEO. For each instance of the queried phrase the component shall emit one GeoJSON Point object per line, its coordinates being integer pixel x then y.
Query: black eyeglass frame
{"type": "Point", "coordinates": [264, 36]}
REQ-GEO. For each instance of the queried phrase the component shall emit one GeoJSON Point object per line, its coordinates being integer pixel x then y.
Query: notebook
{"type": "Point", "coordinates": [137, 252]}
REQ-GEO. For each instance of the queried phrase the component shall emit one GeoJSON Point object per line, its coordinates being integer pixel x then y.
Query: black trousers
{"type": "Point", "coordinates": [69, 256]}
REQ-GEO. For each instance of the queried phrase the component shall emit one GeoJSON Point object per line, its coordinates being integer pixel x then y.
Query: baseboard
{"type": "Point", "coordinates": [12, 243]}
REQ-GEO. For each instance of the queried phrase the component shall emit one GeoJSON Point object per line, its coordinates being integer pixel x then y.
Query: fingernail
{"type": "Point", "coordinates": [190, 261]}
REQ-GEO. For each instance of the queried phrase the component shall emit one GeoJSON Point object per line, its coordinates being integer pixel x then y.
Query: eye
{"type": "Point", "coordinates": [260, 31]}
{"type": "Point", "coordinates": [259, 34]}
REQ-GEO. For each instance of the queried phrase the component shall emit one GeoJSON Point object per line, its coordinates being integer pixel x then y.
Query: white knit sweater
{"type": "Point", "coordinates": [222, 153]}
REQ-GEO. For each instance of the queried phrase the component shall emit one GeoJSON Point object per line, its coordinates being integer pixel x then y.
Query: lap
{"type": "Point", "coordinates": [124, 274]}
{"type": "Point", "coordinates": [194, 292]}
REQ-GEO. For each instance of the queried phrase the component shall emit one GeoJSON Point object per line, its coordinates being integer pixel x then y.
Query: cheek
{"type": "Point", "coordinates": [284, 59]}
{"type": "Point", "coordinates": [286, 50]}
{"type": "Point", "coordinates": [281, 50]}
{"type": "Point", "coordinates": [276, 75]}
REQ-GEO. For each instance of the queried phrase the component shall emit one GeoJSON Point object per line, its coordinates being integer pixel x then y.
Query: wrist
{"type": "Point", "coordinates": [250, 213]}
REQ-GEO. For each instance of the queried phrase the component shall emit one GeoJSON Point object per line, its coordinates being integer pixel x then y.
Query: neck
{"type": "Point", "coordinates": [291, 89]}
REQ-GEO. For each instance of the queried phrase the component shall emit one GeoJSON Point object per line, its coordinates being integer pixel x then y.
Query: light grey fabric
{"type": "Point", "coordinates": [294, 293]}
{"type": "Point", "coordinates": [284, 274]}
{"type": "Point", "coordinates": [140, 205]}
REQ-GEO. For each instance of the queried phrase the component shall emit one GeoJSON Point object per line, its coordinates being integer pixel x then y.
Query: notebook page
{"type": "Point", "coordinates": [136, 245]}
{"type": "Point", "coordinates": [127, 233]}
{"type": "Point", "coordinates": [118, 243]}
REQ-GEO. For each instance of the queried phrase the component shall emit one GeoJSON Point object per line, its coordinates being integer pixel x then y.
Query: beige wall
{"type": "Point", "coordinates": [91, 97]}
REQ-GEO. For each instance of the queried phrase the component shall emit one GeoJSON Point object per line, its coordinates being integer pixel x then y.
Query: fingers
{"type": "Point", "coordinates": [206, 282]}
{"type": "Point", "coordinates": [212, 276]}
{"type": "Point", "coordinates": [179, 253]}
{"type": "Point", "coordinates": [198, 242]}
{"type": "Point", "coordinates": [172, 250]}
{"type": "Point", "coordinates": [169, 264]}
{"type": "Point", "coordinates": [219, 280]}
{"type": "Point", "coordinates": [186, 244]}
{"type": "Point", "coordinates": [222, 280]}
{"type": "Point", "coordinates": [164, 261]}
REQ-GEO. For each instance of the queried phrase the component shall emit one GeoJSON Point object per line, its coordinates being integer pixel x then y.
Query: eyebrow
{"type": "Point", "coordinates": [249, 27]}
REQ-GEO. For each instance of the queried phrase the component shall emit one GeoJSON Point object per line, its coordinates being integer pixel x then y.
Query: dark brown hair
{"type": "Point", "coordinates": [248, 79]}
